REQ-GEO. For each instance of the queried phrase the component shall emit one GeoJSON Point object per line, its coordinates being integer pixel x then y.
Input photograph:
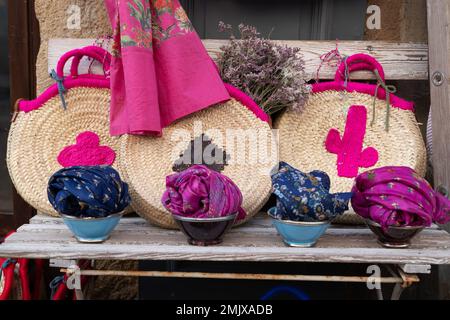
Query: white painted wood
{"type": "Point", "coordinates": [61, 263]}
{"type": "Point", "coordinates": [402, 61]}
{"type": "Point", "coordinates": [416, 268]}
{"type": "Point", "coordinates": [135, 239]}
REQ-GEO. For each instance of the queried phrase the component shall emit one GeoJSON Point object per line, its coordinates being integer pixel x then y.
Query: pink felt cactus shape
{"type": "Point", "coordinates": [87, 152]}
{"type": "Point", "coordinates": [349, 148]}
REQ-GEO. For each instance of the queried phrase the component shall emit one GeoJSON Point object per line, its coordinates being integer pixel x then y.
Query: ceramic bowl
{"type": "Point", "coordinates": [92, 230]}
{"type": "Point", "coordinates": [393, 237]}
{"type": "Point", "coordinates": [205, 231]}
{"type": "Point", "coordinates": [299, 234]}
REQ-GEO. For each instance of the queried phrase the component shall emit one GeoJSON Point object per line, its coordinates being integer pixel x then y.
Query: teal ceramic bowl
{"type": "Point", "coordinates": [299, 234]}
{"type": "Point", "coordinates": [92, 230]}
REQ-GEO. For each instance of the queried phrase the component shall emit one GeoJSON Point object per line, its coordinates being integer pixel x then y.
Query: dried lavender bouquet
{"type": "Point", "coordinates": [272, 74]}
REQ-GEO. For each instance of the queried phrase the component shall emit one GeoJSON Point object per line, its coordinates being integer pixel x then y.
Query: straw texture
{"type": "Point", "coordinates": [36, 138]}
{"type": "Point", "coordinates": [302, 137]}
{"type": "Point", "coordinates": [146, 161]}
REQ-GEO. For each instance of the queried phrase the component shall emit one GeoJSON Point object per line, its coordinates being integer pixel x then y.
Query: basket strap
{"type": "Point", "coordinates": [103, 56]}
{"type": "Point", "coordinates": [390, 89]}
{"type": "Point", "coordinates": [93, 52]}
{"type": "Point", "coordinates": [362, 61]}
{"type": "Point", "coordinates": [358, 62]}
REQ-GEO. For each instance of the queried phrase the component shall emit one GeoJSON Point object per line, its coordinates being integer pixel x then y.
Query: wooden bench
{"type": "Point", "coordinates": [257, 241]}
{"type": "Point", "coordinates": [134, 239]}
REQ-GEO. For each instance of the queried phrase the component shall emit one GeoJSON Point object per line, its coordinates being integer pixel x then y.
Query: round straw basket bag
{"type": "Point", "coordinates": [347, 128]}
{"type": "Point", "coordinates": [67, 125]}
{"type": "Point", "coordinates": [233, 138]}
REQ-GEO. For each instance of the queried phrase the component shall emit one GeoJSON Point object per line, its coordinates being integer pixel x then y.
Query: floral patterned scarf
{"type": "Point", "coordinates": [398, 196]}
{"type": "Point", "coordinates": [84, 192]}
{"type": "Point", "coordinates": [306, 196]}
{"type": "Point", "coordinates": [199, 192]}
{"type": "Point", "coordinates": [161, 71]}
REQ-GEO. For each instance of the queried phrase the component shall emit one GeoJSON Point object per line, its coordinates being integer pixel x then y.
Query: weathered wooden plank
{"type": "Point", "coordinates": [439, 40]}
{"type": "Point", "coordinates": [438, 30]}
{"type": "Point", "coordinates": [225, 253]}
{"type": "Point", "coordinates": [267, 241]}
{"type": "Point", "coordinates": [402, 61]}
{"type": "Point", "coordinates": [256, 241]}
{"type": "Point", "coordinates": [334, 238]}
{"type": "Point", "coordinates": [416, 268]}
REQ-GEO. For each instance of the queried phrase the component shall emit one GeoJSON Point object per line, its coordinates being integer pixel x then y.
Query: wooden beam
{"type": "Point", "coordinates": [401, 61]}
{"type": "Point", "coordinates": [241, 276]}
{"type": "Point", "coordinates": [439, 53]}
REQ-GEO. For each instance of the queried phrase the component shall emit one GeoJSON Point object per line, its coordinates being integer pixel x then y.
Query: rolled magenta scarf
{"type": "Point", "coordinates": [160, 71]}
{"type": "Point", "coordinates": [398, 196]}
{"type": "Point", "coordinates": [200, 192]}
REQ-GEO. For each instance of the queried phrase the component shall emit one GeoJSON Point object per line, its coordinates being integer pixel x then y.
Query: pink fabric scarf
{"type": "Point", "coordinates": [199, 192]}
{"type": "Point", "coordinates": [398, 196]}
{"type": "Point", "coordinates": [160, 71]}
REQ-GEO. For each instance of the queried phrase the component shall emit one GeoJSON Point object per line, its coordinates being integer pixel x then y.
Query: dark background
{"type": "Point", "coordinates": [5, 183]}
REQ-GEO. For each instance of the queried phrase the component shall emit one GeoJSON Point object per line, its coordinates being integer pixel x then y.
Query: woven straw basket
{"type": "Point", "coordinates": [303, 134]}
{"type": "Point", "coordinates": [42, 128]}
{"type": "Point", "coordinates": [146, 161]}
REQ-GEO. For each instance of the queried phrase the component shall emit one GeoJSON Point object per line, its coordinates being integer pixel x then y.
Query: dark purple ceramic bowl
{"type": "Point", "coordinates": [205, 232]}
{"type": "Point", "coordinates": [393, 237]}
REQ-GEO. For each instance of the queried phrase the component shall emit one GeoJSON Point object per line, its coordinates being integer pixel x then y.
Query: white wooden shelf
{"type": "Point", "coordinates": [135, 239]}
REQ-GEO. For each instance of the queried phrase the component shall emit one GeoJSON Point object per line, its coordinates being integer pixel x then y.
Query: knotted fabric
{"type": "Point", "coordinates": [306, 196]}
{"type": "Point", "coordinates": [398, 196]}
{"type": "Point", "coordinates": [88, 192]}
{"type": "Point", "coordinates": [200, 192]}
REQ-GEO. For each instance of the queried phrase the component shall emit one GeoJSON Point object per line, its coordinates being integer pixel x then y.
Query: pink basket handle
{"type": "Point", "coordinates": [103, 56]}
{"type": "Point", "coordinates": [359, 62]}
{"type": "Point", "coordinates": [96, 53]}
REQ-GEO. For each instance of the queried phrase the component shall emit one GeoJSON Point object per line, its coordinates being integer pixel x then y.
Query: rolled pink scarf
{"type": "Point", "coordinates": [199, 192]}
{"type": "Point", "coordinates": [398, 196]}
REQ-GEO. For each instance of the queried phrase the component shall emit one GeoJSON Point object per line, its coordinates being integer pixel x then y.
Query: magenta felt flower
{"type": "Point", "coordinates": [199, 192]}
{"type": "Point", "coordinates": [87, 152]}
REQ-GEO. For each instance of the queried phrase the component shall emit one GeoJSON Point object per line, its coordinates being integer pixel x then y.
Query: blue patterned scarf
{"type": "Point", "coordinates": [306, 196]}
{"type": "Point", "coordinates": [88, 191]}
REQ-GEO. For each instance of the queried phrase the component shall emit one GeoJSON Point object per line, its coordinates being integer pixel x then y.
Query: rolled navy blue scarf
{"type": "Point", "coordinates": [84, 192]}
{"type": "Point", "coordinates": [306, 196]}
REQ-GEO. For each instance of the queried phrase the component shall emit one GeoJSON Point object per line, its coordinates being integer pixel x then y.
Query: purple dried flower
{"type": "Point", "coordinates": [272, 74]}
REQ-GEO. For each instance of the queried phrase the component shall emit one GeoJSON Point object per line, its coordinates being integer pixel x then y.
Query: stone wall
{"type": "Point", "coordinates": [404, 20]}
{"type": "Point", "coordinates": [54, 19]}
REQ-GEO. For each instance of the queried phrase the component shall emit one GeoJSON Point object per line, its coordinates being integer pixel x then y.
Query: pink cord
{"type": "Point", "coordinates": [328, 57]}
